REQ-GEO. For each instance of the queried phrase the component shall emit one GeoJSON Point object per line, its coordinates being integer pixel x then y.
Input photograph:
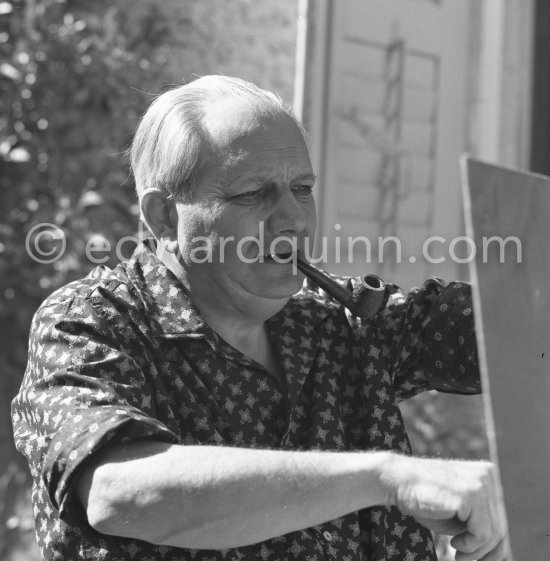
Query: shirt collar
{"type": "Point", "coordinates": [172, 313]}
{"type": "Point", "coordinates": [169, 307]}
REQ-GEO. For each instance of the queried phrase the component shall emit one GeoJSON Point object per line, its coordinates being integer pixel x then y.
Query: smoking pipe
{"type": "Point", "coordinates": [369, 295]}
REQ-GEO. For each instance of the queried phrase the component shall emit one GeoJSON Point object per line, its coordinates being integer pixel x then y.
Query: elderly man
{"type": "Point", "coordinates": [194, 403]}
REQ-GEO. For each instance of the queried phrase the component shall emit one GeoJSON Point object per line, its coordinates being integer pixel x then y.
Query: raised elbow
{"type": "Point", "coordinates": [103, 518]}
{"type": "Point", "coordinates": [109, 508]}
{"type": "Point", "coordinates": [124, 518]}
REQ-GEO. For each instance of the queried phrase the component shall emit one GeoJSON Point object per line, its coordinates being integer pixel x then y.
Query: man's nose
{"type": "Point", "coordinates": [288, 217]}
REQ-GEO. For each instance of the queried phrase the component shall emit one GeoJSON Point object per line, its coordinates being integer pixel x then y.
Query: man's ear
{"type": "Point", "coordinates": [159, 213]}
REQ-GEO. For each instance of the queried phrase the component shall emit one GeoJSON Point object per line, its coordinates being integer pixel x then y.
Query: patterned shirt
{"type": "Point", "coordinates": [123, 355]}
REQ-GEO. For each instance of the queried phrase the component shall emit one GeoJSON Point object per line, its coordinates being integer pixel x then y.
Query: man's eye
{"type": "Point", "coordinates": [303, 189]}
{"type": "Point", "coordinates": [249, 195]}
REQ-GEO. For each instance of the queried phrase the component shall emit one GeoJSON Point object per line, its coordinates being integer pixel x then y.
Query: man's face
{"type": "Point", "coordinates": [255, 188]}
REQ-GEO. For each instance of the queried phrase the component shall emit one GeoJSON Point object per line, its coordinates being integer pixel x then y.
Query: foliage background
{"type": "Point", "coordinates": [74, 78]}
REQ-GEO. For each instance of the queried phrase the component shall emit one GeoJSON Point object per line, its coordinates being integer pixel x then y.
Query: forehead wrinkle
{"type": "Point", "coordinates": [258, 178]}
{"type": "Point", "coordinates": [233, 159]}
{"type": "Point", "coordinates": [254, 169]}
{"type": "Point", "coordinates": [237, 158]}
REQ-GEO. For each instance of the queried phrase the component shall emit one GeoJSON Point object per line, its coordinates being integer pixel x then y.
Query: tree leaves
{"type": "Point", "coordinates": [68, 107]}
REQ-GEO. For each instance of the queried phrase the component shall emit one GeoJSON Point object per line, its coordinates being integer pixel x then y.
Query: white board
{"type": "Point", "coordinates": [512, 310]}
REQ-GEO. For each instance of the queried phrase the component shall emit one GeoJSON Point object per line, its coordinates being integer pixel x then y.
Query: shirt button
{"type": "Point", "coordinates": [327, 535]}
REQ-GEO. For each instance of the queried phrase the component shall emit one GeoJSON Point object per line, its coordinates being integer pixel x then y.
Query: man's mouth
{"type": "Point", "coordinates": [279, 257]}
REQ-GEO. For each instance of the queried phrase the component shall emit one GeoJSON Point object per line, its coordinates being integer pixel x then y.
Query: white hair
{"type": "Point", "coordinates": [170, 145]}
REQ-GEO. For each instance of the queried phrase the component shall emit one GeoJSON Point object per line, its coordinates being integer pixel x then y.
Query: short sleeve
{"type": "Point", "coordinates": [431, 332]}
{"type": "Point", "coordinates": [85, 388]}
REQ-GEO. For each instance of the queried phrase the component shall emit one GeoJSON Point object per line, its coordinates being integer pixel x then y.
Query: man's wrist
{"type": "Point", "coordinates": [387, 468]}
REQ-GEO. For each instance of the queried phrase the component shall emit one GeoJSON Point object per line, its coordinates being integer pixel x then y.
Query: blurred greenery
{"type": "Point", "coordinates": [67, 109]}
{"type": "Point", "coordinates": [74, 78]}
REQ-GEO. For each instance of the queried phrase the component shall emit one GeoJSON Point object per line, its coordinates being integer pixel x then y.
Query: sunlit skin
{"type": "Point", "coordinates": [259, 173]}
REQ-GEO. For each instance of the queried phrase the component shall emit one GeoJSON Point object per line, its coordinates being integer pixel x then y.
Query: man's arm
{"type": "Point", "coordinates": [210, 497]}
{"type": "Point", "coordinates": [431, 333]}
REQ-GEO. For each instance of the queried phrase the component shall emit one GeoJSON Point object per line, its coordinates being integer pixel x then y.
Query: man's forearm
{"type": "Point", "coordinates": [211, 497]}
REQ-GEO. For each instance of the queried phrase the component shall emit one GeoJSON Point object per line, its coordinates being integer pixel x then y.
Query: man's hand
{"type": "Point", "coordinates": [454, 497]}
